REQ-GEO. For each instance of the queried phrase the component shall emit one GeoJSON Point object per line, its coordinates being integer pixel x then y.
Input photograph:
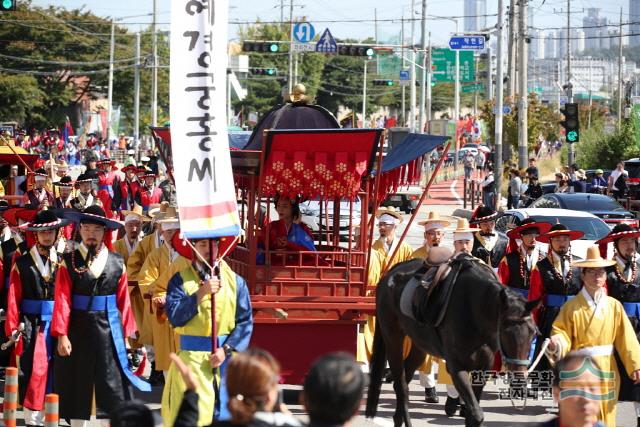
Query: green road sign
{"type": "Point", "coordinates": [472, 88]}
{"type": "Point", "coordinates": [443, 62]}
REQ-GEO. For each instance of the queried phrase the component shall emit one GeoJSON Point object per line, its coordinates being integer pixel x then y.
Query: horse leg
{"type": "Point", "coordinates": [473, 413]}
{"type": "Point", "coordinates": [394, 339]}
{"type": "Point", "coordinates": [412, 362]}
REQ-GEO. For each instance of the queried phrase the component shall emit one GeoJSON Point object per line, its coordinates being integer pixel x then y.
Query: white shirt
{"type": "Point", "coordinates": [614, 177]}
{"type": "Point", "coordinates": [556, 262]}
{"type": "Point", "coordinates": [488, 180]}
{"type": "Point", "coordinates": [531, 258]}
{"type": "Point", "coordinates": [598, 304]}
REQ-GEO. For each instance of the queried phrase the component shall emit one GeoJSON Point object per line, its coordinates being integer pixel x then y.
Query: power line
{"type": "Point", "coordinates": [69, 63]}
{"type": "Point", "coordinates": [57, 73]}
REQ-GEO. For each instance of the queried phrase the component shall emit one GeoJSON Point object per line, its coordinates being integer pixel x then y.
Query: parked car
{"type": "Point", "coordinates": [593, 227]}
{"type": "Point", "coordinates": [604, 207]}
{"type": "Point", "coordinates": [320, 218]}
{"type": "Point", "coordinates": [405, 199]}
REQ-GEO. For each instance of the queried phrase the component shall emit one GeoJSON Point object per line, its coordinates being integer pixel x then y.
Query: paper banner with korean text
{"type": "Point", "coordinates": [200, 145]}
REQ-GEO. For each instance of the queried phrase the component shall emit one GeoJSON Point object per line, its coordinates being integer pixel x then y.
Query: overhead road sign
{"type": "Point", "coordinates": [303, 32]}
{"type": "Point", "coordinates": [472, 88]}
{"type": "Point", "coordinates": [466, 43]}
{"type": "Point", "coordinates": [326, 43]}
{"type": "Point", "coordinates": [404, 77]}
{"type": "Point", "coordinates": [443, 68]}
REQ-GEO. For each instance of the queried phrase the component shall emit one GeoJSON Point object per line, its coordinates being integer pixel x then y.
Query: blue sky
{"type": "Point", "coordinates": [546, 15]}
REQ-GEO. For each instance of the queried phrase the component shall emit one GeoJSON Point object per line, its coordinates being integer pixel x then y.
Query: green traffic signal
{"type": "Point", "coordinates": [8, 5]}
{"type": "Point", "coordinates": [370, 52]}
{"type": "Point", "coordinates": [389, 82]}
{"type": "Point", "coordinates": [274, 47]}
{"type": "Point", "coordinates": [572, 136]}
{"type": "Point", "coordinates": [271, 71]}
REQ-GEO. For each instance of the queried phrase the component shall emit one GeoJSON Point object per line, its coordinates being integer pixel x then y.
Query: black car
{"type": "Point", "coordinates": [604, 207]}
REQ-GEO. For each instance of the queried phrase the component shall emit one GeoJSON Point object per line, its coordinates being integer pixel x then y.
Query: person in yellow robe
{"type": "Point", "coordinates": [434, 228]}
{"type": "Point", "coordinates": [126, 246]}
{"type": "Point", "coordinates": [388, 221]}
{"type": "Point", "coordinates": [154, 271]}
{"type": "Point", "coordinates": [594, 324]}
{"type": "Point", "coordinates": [134, 265]}
{"type": "Point", "coordinates": [188, 308]}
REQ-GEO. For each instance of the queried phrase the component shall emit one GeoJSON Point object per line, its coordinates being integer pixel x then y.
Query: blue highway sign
{"type": "Point", "coordinates": [466, 43]}
{"type": "Point", "coordinates": [303, 32]}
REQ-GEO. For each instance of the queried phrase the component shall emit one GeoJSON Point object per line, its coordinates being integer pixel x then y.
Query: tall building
{"type": "Point", "coordinates": [475, 12]}
{"type": "Point", "coordinates": [537, 45]}
{"type": "Point", "coordinates": [594, 27]}
{"type": "Point", "coordinates": [634, 17]}
{"type": "Point", "coordinates": [550, 45]}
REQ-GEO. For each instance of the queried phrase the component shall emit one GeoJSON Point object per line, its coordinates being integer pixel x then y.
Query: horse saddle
{"type": "Point", "coordinates": [423, 283]}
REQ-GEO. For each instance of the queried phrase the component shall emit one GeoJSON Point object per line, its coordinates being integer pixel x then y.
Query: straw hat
{"type": "Point", "coordinates": [434, 221]}
{"type": "Point", "coordinates": [156, 211]}
{"type": "Point", "coordinates": [138, 212]}
{"type": "Point", "coordinates": [594, 260]}
{"type": "Point", "coordinates": [389, 211]}
{"type": "Point", "coordinates": [464, 227]}
{"type": "Point", "coordinates": [169, 215]}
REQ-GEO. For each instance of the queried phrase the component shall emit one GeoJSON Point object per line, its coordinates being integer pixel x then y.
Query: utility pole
{"type": "Point", "coordinates": [404, 64]}
{"type": "Point", "coordinates": [456, 113]}
{"type": "Point", "coordinates": [154, 72]}
{"type": "Point", "coordinates": [136, 89]}
{"type": "Point", "coordinates": [375, 29]}
{"type": "Point", "coordinates": [590, 95]}
{"type": "Point", "coordinates": [290, 50]}
{"type": "Point", "coordinates": [489, 75]}
{"type": "Point", "coordinates": [429, 79]}
{"type": "Point", "coordinates": [110, 95]}
{"type": "Point", "coordinates": [572, 147]}
{"type": "Point", "coordinates": [499, 104]}
{"type": "Point", "coordinates": [423, 63]}
{"type": "Point", "coordinates": [523, 150]}
{"type": "Point", "coordinates": [364, 94]}
{"type": "Point", "coordinates": [475, 92]}
{"type": "Point", "coordinates": [412, 92]}
{"type": "Point", "coordinates": [620, 74]}
{"type": "Point", "coordinates": [282, 15]}
{"type": "Point", "coordinates": [511, 60]}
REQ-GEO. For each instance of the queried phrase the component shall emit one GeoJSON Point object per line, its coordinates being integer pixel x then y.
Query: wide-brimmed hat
{"type": "Point", "coordinates": [527, 226]}
{"type": "Point", "coordinates": [15, 213]}
{"type": "Point", "coordinates": [130, 167]}
{"type": "Point", "coordinates": [136, 211]}
{"type": "Point", "coordinates": [94, 215]}
{"type": "Point", "coordinates": [45, 220]}
{"type": "Point", "coordinates": [179, 244]}
{"type": "Point", "coordinates": [106, 161]}
{"type": "Point", "coordinates": [41, 172]}
{"type": "Point", "coordinates": [484, 214]}
{"type": "Point", "coordinates": [434, 221]}
{"type": "Point", "coordinates": [65, 181]}
{"type": "Point", "coordinates": [594, 259]}
{"type": "Point", "coordinates": [84, 177]}
{"type": "Point", "coordinates": [388, 214]}
{"type": "Point", "coordinates": [169, 218]}
{"type": "Point", "coordinates": [157, 210]}
{"type": "Point", "coordinates": [146, 173]}
{"type": "Point", "coordinates": [559, 230]}
{"type": "Point", "coordinates": [464, 227]}
{"type": "Point", "coordinates": [620, 231]}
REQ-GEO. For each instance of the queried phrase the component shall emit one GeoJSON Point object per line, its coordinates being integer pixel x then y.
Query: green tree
{"type": "Point", "coordinates": [20, 96]}
{"type": "Point", "coordinates": [597, 149]}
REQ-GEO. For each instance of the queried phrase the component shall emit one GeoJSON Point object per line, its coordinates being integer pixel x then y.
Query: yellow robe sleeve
{"type": "Point", "coordinates": [626, 342]}
{"type": "Point", "coordinates": [120, 247]}
{"type": "Point", "coordinates": [161, 284]}
{"type": "Point", "coordinates": [563, 329]}
{"type": "Point", "coordinates": [421, 253]}
{"type": "Point", "coordinates": [150, 271]}
{"type": "Point", "coordinates": [138, 257]}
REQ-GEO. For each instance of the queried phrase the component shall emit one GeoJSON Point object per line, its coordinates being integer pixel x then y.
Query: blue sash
{"type": "Point", "coordinates": [109, 188]}
{"type": "Point", "coordinates": [523, 292]}
{"type": "Point", "coordinates": [109, 304]}
{"type": "Point", "coordinates": [197, 343]}
{"type": "Point", "coordinates": [556, 301]}
{"type": "Point", "coordinates": [632, 309]}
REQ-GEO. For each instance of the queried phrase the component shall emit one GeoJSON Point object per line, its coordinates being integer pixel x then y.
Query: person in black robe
{"type": "Point", "coordinates": [92, 317]}
{"type": "Point", "coordinates": [488, 245]}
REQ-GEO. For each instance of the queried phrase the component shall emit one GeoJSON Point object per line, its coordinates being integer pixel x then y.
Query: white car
{"type": "Point", "coordinates": [593, 227]}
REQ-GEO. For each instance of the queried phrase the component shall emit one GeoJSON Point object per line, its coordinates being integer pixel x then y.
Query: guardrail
{"type": "Point", "coordinates": [472, 194]}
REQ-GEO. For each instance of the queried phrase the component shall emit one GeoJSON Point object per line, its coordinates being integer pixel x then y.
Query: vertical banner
{"type": "Point", "coordinates": [200, 145]}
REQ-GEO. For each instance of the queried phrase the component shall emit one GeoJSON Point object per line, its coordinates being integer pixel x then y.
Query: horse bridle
{"type": "Point", "coordinates": [509, 360]}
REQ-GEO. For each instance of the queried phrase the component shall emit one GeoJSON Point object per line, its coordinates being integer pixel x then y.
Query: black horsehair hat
{"type": "Point", "coordinates": [93, 215]}
{"type": "Point", "coordinates": [45, 220]}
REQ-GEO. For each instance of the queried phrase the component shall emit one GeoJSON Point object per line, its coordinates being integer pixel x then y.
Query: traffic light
{"type": "Point", "coordinates": [355, 50]}
{"type": "Point", "coordinates": [8, 5]}
{"type": "Point", "coordinates": [381, 82]}
{"type": "Point", "coordinates": [264, 71]}
{"type": "Point", "coordinates": [571, 122]}
{"type": "Point", "coordinates": [261, 46]}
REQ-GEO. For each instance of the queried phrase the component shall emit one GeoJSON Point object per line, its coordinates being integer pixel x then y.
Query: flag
{"type": "Point", "coordinates": [200, 150]}
{"type": "Point", "coordinates": [67, 130]}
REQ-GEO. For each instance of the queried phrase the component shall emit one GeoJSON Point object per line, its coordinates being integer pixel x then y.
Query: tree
{"type": "Point", "coordinates": [20, 97]}
{"type": "Point", "coordinates": [596, 149]}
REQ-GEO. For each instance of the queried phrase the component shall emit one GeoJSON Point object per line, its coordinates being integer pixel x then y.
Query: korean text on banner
{"type": "Point", "coordinates": [201, 159]}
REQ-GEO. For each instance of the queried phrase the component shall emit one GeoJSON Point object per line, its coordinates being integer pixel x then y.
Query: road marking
{"type": "Point", "coordinates": [452, 187]}
{"type": "Point", "coordinates": [383, 422]}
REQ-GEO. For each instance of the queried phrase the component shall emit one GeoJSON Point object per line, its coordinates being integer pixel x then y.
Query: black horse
{"type": "Point", "coordinates": [468, 317]}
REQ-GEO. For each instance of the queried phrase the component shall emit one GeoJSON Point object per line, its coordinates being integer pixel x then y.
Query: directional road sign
{"type": "Point", "coordinates": [303, 32]}
{"type": "Point", "coordinates": [444, 66]}
{"type": "Point", "coordinates": [472, 88]}
{"type": "Point", "coordinates": [466, 43]}
{"type": "Point", "coordinates": [404, 77]}
{"type": "Point", "coordinates": [505, 109]}
{"type": "Point", "coordinates": [326, 43]}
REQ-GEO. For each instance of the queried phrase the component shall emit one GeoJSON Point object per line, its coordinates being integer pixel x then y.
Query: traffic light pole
{"type": "Point", "coordinates": [136, 89]}
{"type": "Point", "coordinates": [423, 75]}
{"type": "Point", "coordinates": [523, 151]}
{"type": "Point", "coordinates": [364, 94]}
{"type": "Point", "coordinates": [499, 104]}
{"type": "Point", "coordinates": [290, 80]}
{"type": "Point", "coordinates": [456, 113]}
{"type": "Point", "coordinates": [110, 90]}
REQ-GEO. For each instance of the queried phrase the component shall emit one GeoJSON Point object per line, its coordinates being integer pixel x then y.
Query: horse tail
{"type": "Point", "coordinates": [376, 372]}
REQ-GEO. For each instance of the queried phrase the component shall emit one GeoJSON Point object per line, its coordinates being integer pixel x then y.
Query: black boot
{"type": "Point", "coordinates": [463, 410]}
{"type": "Point", "coordinates": [451, 406]}
{"type": "Point", "coordinates": [430, 395]}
